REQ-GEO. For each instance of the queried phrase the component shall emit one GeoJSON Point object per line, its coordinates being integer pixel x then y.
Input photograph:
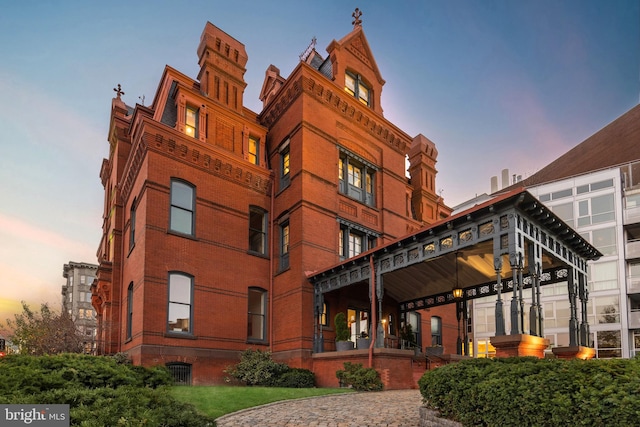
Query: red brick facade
{"type": "Point", "coordinates": [201, 190]}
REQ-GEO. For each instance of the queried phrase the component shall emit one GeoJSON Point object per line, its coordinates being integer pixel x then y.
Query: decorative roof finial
{"type": "Point", "coordinates": [357, 22]}
{"type": "Point", "coordinates": [118, 91]}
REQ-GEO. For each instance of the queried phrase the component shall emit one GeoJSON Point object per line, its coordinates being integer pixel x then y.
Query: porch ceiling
{"type": "Point", "coordinates": [435, 276]}
{"type": "Point", "coordinates": [463, 248]}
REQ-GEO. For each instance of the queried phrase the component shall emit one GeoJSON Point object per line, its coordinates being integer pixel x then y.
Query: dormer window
{"type": "Point", "coordinates": [354, 85]}
{"type": "Point", "coordinates": [191, 122]}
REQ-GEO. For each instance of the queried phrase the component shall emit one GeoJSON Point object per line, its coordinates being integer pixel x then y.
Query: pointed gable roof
{"type": "Point", "coordinates": [352, 53]}
{"type": "Point", "coordinates": [356, 43]}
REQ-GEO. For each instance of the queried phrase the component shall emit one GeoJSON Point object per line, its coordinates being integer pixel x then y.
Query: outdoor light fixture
{"type": "Point", "coordinates": [457, 295]}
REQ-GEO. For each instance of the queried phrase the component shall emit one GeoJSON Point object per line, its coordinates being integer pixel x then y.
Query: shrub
{"type": "Point", "coordinates": [361, 379]}
{"type": "Point", "coordinates": [258, 368]}
{"type": "Point", "coordinates": [535, 392]}
{"type": "Point", "coordinates": [296, 378]}
{"type": "Point", "coordinates": [99, 390]}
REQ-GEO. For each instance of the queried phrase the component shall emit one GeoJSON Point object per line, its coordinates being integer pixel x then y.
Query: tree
{"type": "Point", "coordinates": [46, 332]}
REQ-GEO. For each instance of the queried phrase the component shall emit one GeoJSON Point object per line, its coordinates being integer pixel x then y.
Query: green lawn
{"type": "Point", "coordinates": [216, 401]}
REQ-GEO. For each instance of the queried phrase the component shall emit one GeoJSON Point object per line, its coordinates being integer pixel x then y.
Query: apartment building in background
{"type": "Point", "coordinates": [594, 188]}
{"type": "Point", "coordinates": [76, 300]}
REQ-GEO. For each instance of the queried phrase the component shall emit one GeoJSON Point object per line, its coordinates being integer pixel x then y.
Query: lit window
{"type": "Point", "coordinates": [353, 240]}
{"type": "Point", "coordinates": [180, 300]}
{"type": "Point", "coordinates": [254, 150]}
{"type": "Point", "coordinates": [257, 230]}
{"type": "Point", "coordinates": [256, 318]}
{"type": "Point", "coordinates": [284, 246]}
{"type": "Point", "coordinates": [285, 174]}
{"type": "Point", "coordinates": [191, 122]}
{"type": "Point", "coordinates": [182, 208]}
{"type": "Point", "coordinates": [360, 178]}
{"type": "Point", "coordinates": [354, 86]}
{"type": "Point", "coordinates": [324, 315]}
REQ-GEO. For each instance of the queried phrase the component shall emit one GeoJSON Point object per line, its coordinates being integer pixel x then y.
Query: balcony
{"type": "Point", "coordinates": [633, 284]}
{"type": "Point", "coordinates": [631, 215]}
{"type": "Point", "coordinates": [633, 249]}
{"type": "Point", "coordinates": [634, 318]}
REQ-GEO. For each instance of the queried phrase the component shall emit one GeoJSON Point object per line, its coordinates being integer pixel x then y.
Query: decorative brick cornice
{"type": "Point", "coordinates": [282, 102]}
{"type": "Point", "coordinates": [341, 103]}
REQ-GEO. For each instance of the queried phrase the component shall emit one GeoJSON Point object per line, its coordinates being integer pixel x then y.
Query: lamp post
{"type": "Point", "coordinates": [457, 295]}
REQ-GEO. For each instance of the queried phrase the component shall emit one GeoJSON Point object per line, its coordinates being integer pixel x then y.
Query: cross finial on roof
{"type": "Point", "coordinates": [357, 22]}
{"type": "Point", "coordinates": [118, 91]}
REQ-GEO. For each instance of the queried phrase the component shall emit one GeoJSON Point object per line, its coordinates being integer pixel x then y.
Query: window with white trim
{"type": "Point", "coordinates": [596, 210]}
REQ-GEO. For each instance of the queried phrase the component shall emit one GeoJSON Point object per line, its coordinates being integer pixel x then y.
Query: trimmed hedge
{"type": "Point", "coordinates": [99, 390]}
{"type": "Point", "coordinates": [535, 392]}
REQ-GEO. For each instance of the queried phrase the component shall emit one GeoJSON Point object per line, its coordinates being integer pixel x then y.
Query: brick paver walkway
{"type": "Point", "coordinates": [395, 408]}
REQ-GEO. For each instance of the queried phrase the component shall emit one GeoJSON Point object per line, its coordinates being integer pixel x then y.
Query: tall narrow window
{"type": "Point", "coordinates": [191, 122]}
{"type": "Point", "coordinates": [257, 230]}
{"type": "Point", "coordinates": [129, 310]}
{"type": "Point", "coordinates": [324, 315]}
{"type": "Point", "coordinates": [256, 318]}
{"type": "Point", "coordinates": [182, 207]}
{"type": "Point", "coordinates": [180, 302]}
{"type": "Point", "coordinates": [132, 225]}
{"type": "Point", "coordinates": [254, 150]}
{"type": "Point", "coordinates": [284, 246]}
{"type": "Point", "coordinates": [436, 330]}
{"type": "Point", "coordinates": [285, 175]}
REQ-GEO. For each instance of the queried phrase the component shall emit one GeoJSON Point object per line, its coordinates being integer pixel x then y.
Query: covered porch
{"type": "Point", "coordinates": [505, 247]}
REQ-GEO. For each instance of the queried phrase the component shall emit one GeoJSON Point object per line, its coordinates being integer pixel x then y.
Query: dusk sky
{"type": "Point", "coordinates": [494, 84]}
